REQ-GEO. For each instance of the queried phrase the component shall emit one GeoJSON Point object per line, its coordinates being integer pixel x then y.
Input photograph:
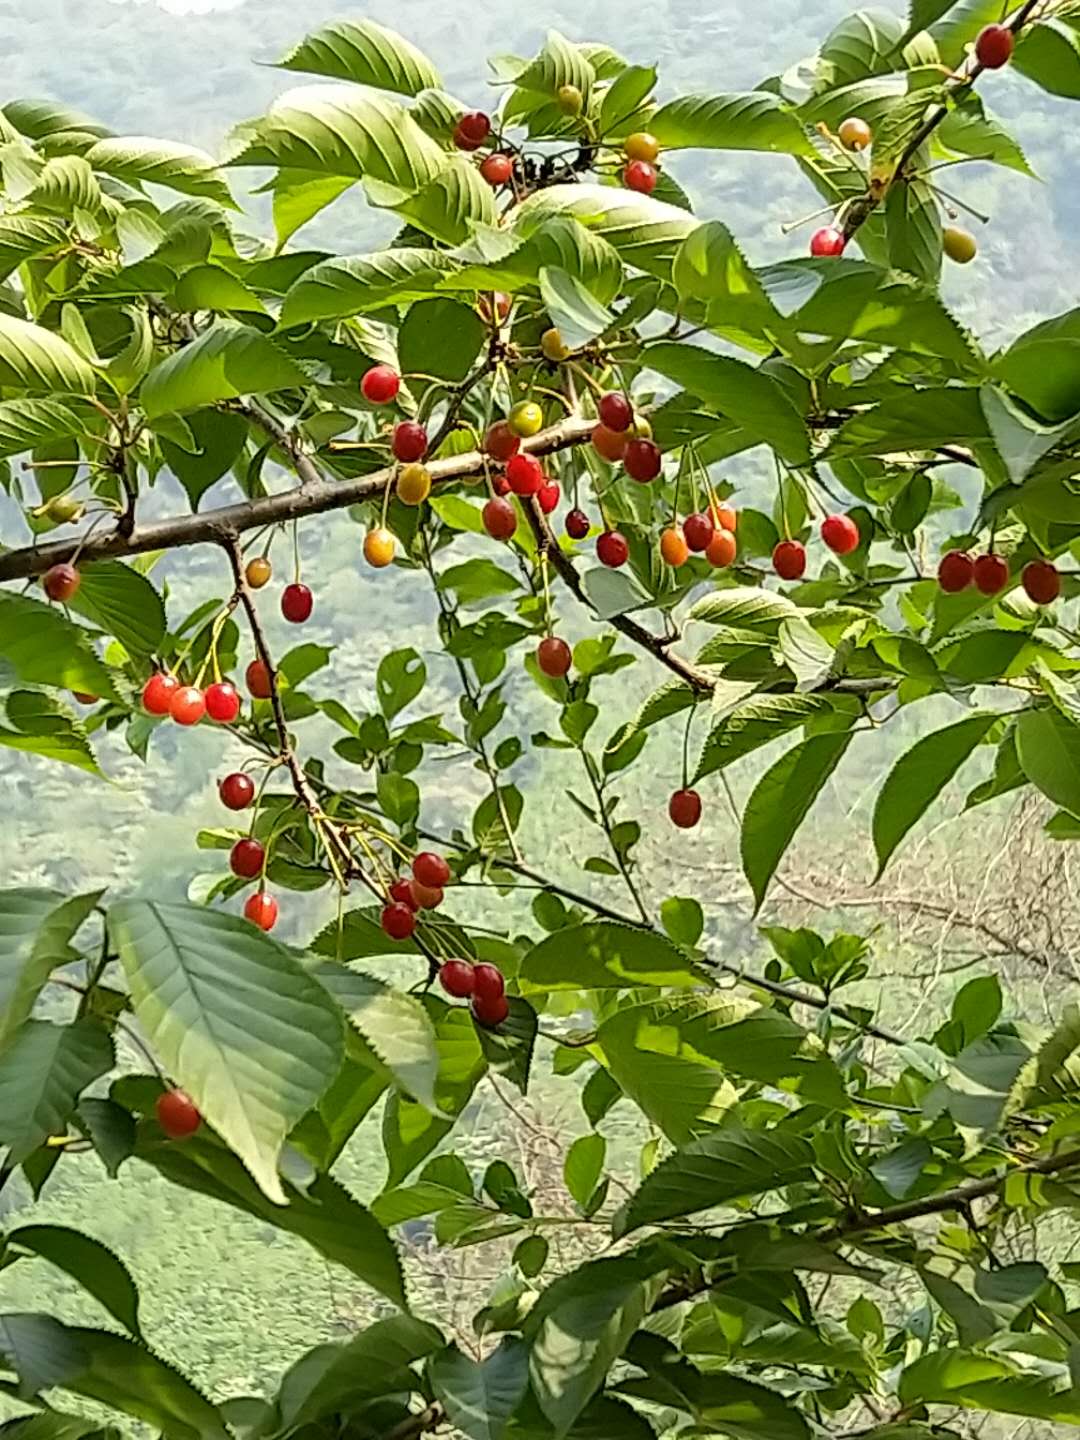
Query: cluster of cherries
{"type": "Point", "coordinates": [706, 532]}
{"type": "Point", "coordinates": [473, 131]}
{"type": "Point", "coordinates": [839, 533]}
{"type": "Point", "coordinates": [993, 48]}
{"type": "Point", "coordinates": [990, 574]}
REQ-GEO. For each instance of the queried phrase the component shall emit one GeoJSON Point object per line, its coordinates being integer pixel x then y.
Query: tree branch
{"type": "Point", "coordinates": [314, 496]}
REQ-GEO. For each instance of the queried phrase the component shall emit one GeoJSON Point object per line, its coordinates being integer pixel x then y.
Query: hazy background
{"type": "Point", "coordinates": [231, 1299]}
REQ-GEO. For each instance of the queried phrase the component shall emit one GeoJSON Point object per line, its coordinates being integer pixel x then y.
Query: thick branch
{"type": "Point", "coordinates": [314, 496]}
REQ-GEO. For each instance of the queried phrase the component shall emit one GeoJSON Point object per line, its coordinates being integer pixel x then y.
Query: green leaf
{"type": "Point", "coordinates": [324, 1215]}
{"type": "Point", "coordinates": [644, 231]}
{"type": "Point", "coordinates": [918, 778]}
{"type": "Point", "coordinates": [745, 608]}
{"type": "Point", "coordinates": [448, 207]}
{"type": "Point", "coordinates": [1021, 442]}
{"type": "Point", "coordinates": [35, 359]}
{"type": "Point", "coordinates": [123, 603]}
{"type": "Point", "coordinates": [393, 1023]}
{"type": "Point", "coordinates": [38, 646]}
{"type": "Point", "coordinates": [410, 1132]}
{"type": "Point", "coordinates": [478, 579]}
{"type": "Point", "coordinates": [44, 727]}
{"type": "Point", "coordinates": [1049, 748]}
{"type": "Point", "coordinates": [343, 130]}
{"type": "Point", "coordinates": [913, 229]}
{"type": "Point", "coordinates": [440, 337]}
{"type": "Point", "coordinates": [604, 955]}
{"type": "Point", "coordinates": [560, 62]}
{"type": "Point", "coordinates": [367, 54]}
{"type": "Point", "coordinates": [87, 1261]}
{"type": "Point", "coordinates": [209, 287]}
{"type": "Point", "coordinates": [1043, 367]}
{"type": "Point", "coordinates": [731, 1165]}
{"type": "Point", "coordinates": [736, 390]}
{"type": "Point", "coordinates": [977, 1006]}
{"type": "Point", "coordinates": [978, 1381]}
{"type": "Point", "coordinates": [683, 919]}
{"type": "Point", "coordinates": [43, 1071]}
{"type": "Point", "coordinates": [225, 362]}
{"type": "Point", "coordinates": [356, 285]}
{"type": "Point", "coordinates": [509, 1049]}
{"type": "Point", "coordinates": [192, 974]}
{"type": "Point", "coordinates": [898, 1170]}
{"type": "Point", "coordinates": [480, 1398]}
{"type": "Point", "coordinates": [139, 160]}
{"type": "Point", "coordinates": [111, 1130]}
{"type": "Point", "coordinates": [624, 98]}
{"type": "Point", "coordinates": [25, 424]}
{"type": "Point", "coordinates": [24, 236]}
{"type": "Point", "coordinates": [753, 121]}
{"type": "Point", "coordinates": [583, 1166]}
{"type": "Point", "coordinates": [111, 1369]}
{"type": "Point", "coordinates": [1049, 54]}
{"type": "Point", "coordinates": [574, 311]}
{"type": "Point", "coordinates": [36, 930]}
{"type": "Point", "coordinates": [299, 195]}
{"type": "Point", "coordinates": [781, 801]}
{"type": "Point", "coordinates": [399, 679]}
{"type": "Point", "coordinates": [218, 441]}
{"type": "Point", "coordinates": [754, 723]}
{"type": "Point", "coordinates": [581, 1335]}
{"type": "Point", "coordinates": [969, 130]}
{"type": "Point", "coordinates": [339, 1378]}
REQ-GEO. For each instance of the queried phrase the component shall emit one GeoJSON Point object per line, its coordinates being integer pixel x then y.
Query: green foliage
{"type": "Point", "coordinates": [774, 1130]}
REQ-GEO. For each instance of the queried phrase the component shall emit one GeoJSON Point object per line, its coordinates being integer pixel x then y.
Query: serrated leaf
{"type": "Point", "coordinates": [365, 53]}
{"type": "Point", "coordinates": [38, 646]}
{"type": "Point", "coordinates": [1049, 54]}
{"type": "Point", "coordinates": [139, 159]}
{"type": "Point", "coordinates": [508, 1049]}
{"type": "Point", "coordinates": [35, 359]}
{"type": "Point", "coordinates": [780, 802]}
{"type": "Point", "coordinates": [913, 229]}
{"type": "Point", "coordinates": [752, 121]}
{"type": "Point", "coordinates": [40, 725]}
{"type": "Point", "coordinates": [448, 207]}
{"type": "Point", "coordinates": [91, 1264]}
{"type": "Point", "coordinates": [225, 362]}
{"type": "Point", "coordinates": [919, 777]}
{"type": "Point", "coordinates": [731, 1165]}
{"type": "Point", "coordinates": [440, 337]}
{"type": "Point", "coordinates": [1048, 745]}
{"type": "Point", "coordinates": [43, 1071]}
{"type": "Point", "coordinates": [123, 603]}
{"type": "Point", "coordinates": [394, 1024]}
{"type": "Point", "coordinates": [355, 285]}
{"type": "Point", "coordinates": [24, 236]}
{"type": "Point", "coordinates": [583, 1166]}
{"type": "Point", "coordinates": [253, 1066]}
{"type": "Point", "coordinates": [480, 1398]}
{"type": "Point", "coordinates": [753, 723]}
{"type": "Point", "coordinates": [604, 955]}
{"type": "Point", "coordinates": [577, 315]}
{"type": "Point", "coordinates": [336, 1378]}
{"type": "Point", "coordinates": [644, 231]}
{"type": "Point", "coordinates": [36, 928]}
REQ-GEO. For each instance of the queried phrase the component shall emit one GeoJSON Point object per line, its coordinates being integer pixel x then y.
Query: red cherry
{"type": "Point", "coordinates": [956, 571]}
{"type": "Point", "coordinates": [237, 791]}
{"type": "Point", "coordinates": [262, 910]}
{"type": "Point", "coordinates": [642, 460]}
{"type": "Point", "coordinates": [398, 921]}
{"type": "Point", "coordinates": [554, 657]}
{"type": "Point", "coordinates": [828, 241]}
{"type": "Point", "coordinates": [61, 582]}
{"type": "Point", "coordinates": [610, 444]}
{"type": "Point", "coordinates": [548, 496]}
{"type": "Point", "coordinates": [1041, 581]}
{"type": "Point", "coordinates": [500, 519]}
{"type": "Point", "coordinates": [187, 706]}
{"type": "Point", "coordinates": [497, 169]}
{"type": "Point", "coordinates": [698, 531]}
{"type": "Point", "coordinates": [401, 892]}
{"type": "Point", "coordinates": [457, 979]}
{"type": "Point", "coordinates": [991, 573]}
{"type": "Point", "coordinates": [500, 442]}
{"type": "Point", "coordinates": [84, 699]}
{"type": "Point", "coordinates": [297, 603]}
{"type": "Point", "coordinates": [639, 175]}
{"type": "Point", "coordinates": [525, 474]}
{"type": "Point", "coordinates": [177, 1114]}
{"type": "Point", "coordinates": [994, 46]}
{"type": "Point", "coordinates": [501, 485]}
{"type": "Point", "coordinates": [425, 897]}
{"type": "Point", "coordinates": [612, 549]}
{"type": "Point", "coordinates": [257, 677]}
{"type": "Point", "coordinates": [684, 807]}
{"type": "Point", "coordinates": [431, 870]}
{"type": "Point", "coordinates": [380, 384]}
{"type": "Point", "coordinates": [222, 702]}
{"type": "Point", "coordinates": [158, 693]}
{"type": "Point", "coordinates": [463, 142]}
{"type": "Point", "coordinates": [494, 307]}
{"type": "Point", "coordinates": [840, 534]}
{"type": "Point", "coordinates": [475, 126]}
{"type": "Point", "coordinates": [488, 982]}
{"type": "Point", "coordinates": [409, 441]}
{"type": "Point", "coordinates": [490, 1013]}
{"type": "Point", "coordinates": [577, 524]}
{"type": "Point", "coordinates": [615, 411]}
{"type": "Point", "coordinates": [789, 560]}
{"type": "Point", "coordinates": [246, 858]}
